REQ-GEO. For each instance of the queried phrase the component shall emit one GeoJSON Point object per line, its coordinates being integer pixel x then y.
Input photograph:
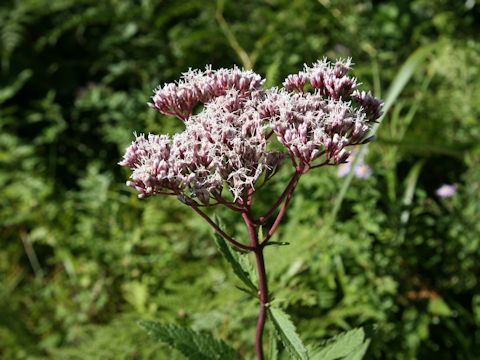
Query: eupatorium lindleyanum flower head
{"type": "Point", "coordinates": [201, 87]}
{"type": "Point", "coordinates": [227, 142]}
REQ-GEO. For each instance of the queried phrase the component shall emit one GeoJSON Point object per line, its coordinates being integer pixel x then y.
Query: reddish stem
{"type": "Point", "coordinates": [262, 317]}
{"type": "Point", "coordinates": [263, 295]}
{"type": "Point", "coordinates": [290, 187]}
{"type": "Point", "coordinates": [262, 283]}
{"type": "Point", "coordinates": [220, 231]}
{"type": "Point", "coordinates": [258, 247]}
{"type": "Point", "coordinates": [325, 163]}
{"type": "Point", "coordinates": [283, 209]}
{"type": "Point", "coordinates": [218, 196]}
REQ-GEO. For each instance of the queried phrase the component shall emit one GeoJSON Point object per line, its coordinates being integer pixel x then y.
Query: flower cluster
{"type": "Point", "coordinates": [310, 126]}
{"type": "Point", "coordinates": [197, 86]}
{"type": "Point", "coordinates": [331, 81]}
{"type": "Point", "coordinates": [227, 142]}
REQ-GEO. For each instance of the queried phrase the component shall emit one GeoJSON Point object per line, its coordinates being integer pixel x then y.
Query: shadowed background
{"type": "Point", "coordinates": [82, 259]}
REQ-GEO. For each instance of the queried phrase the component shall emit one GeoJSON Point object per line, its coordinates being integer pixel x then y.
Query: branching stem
{"type": "Point", "coordinates": [289, 189]}
{"type": "Point", "coordinates": [256, 245]}
{"type": "Point", "coordinates": [220, 231]}
{"type": "Point", "coordinates": [283, 209]}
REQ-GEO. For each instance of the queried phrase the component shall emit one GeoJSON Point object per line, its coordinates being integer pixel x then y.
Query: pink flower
{"type": "Point", "coordinates": [371, 105]}
{"type": "Point", "coordinates": [227, 142]}
{"type": "Point", "coordinates": [201, 87]}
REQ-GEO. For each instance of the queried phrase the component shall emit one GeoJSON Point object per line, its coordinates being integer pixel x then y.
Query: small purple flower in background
{"type": "Point", "coordinates": [342, 49]}
{"type": "Point", "coordinates": [344, 169]}
{"type": "Point", "coordinates": [446, 191]}
{"type": "Point", "coordinates": [363, 171]}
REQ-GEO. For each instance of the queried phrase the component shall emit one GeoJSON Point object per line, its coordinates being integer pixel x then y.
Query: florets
{"type": "Point", "coordinates": [198, 86]}
{"type": "Point", "coordinates": [227, 143]}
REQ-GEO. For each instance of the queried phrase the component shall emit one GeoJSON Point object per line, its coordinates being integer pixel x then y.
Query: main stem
{"type": "Point", "coordinates": [263, 295]}
{"type": "Point", "coordinates": [262, 282]}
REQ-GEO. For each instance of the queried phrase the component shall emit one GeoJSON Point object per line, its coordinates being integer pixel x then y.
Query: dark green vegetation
{"type": "Point", "coordinates": [82, 259]}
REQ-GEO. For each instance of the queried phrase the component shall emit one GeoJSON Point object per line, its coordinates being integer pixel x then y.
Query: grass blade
{"type": "Point", "coordinates": [398, 84]}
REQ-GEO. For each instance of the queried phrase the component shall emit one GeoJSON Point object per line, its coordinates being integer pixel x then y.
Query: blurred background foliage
{"type": "Point", "coordinates": [82, 259]}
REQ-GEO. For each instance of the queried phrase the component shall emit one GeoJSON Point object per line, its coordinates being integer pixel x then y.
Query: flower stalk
{"type": "Point", "coordinates": [263, 295]}
{"type": "Point", "coordinates": [262, 281]}
{"type": "Point", "coordinates": [226, 145]}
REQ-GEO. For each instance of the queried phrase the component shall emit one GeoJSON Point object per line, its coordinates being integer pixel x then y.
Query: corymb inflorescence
{"type": "Point", "coordinates": [317, 116]}
{"type": "Point", "coordinates": [223, 157]}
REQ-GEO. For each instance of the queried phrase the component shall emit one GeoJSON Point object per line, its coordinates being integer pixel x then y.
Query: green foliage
{"type": "Point", "coordinates": [396, 87]}
{"type": "Point", "coordinates": [350, 345]}
{"type": "Point", "coordinates": [193, 345]}
{"type": "Point", "coordinates": [112, 341]}
{"type": "Point", "coordinates": [287, 333]}
{"type": "Point", "coordinates": [273, 347]}
{"type": "Point", "coordinates": [240, 265]}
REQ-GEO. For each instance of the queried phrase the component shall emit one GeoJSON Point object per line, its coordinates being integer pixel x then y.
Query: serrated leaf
{"type": "Point", "coordinates": [351, 345]}
{"type": "Point", "coordinates": [248, 291]}
{"type": "Point", "coordinates": [273, 349]}
{"type": "Point", "coordinates": [193, 345]}
{"type": "Point", "coordinates": [288, 334]}
{"type": "Point", "coordinates": [359, 352]}
{"type": "Point", "coordinates": [238, 264]}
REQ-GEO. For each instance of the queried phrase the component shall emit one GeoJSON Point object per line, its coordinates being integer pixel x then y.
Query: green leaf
{"type": "Point", "coordinates": [351, 345]}
{"type": "Point", "coordinates": [457, 151]}
{"type": "Point", "coordinates": [277, 243]}
{"type": "Point", "coordinates": [193, 345]}
{"type": "Point", "coordinates": [288, 334]}
{"type": "Point", "coordinates": [273, 71]}
{"type": "Point", "coordinates": [248, 291]}
{"type": "Point", "coordinates": [239, 265]}
{"type": "Point", "coordinates": [7, 92]}
{"type": "Point", "coordinates": [476, 309]}
{"type": "Point", "coordinates": [439, 307]}
{"type": "Point", "coordinates": [136, 293]}
{"type": "Point", "coordinates": [272, 349]}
